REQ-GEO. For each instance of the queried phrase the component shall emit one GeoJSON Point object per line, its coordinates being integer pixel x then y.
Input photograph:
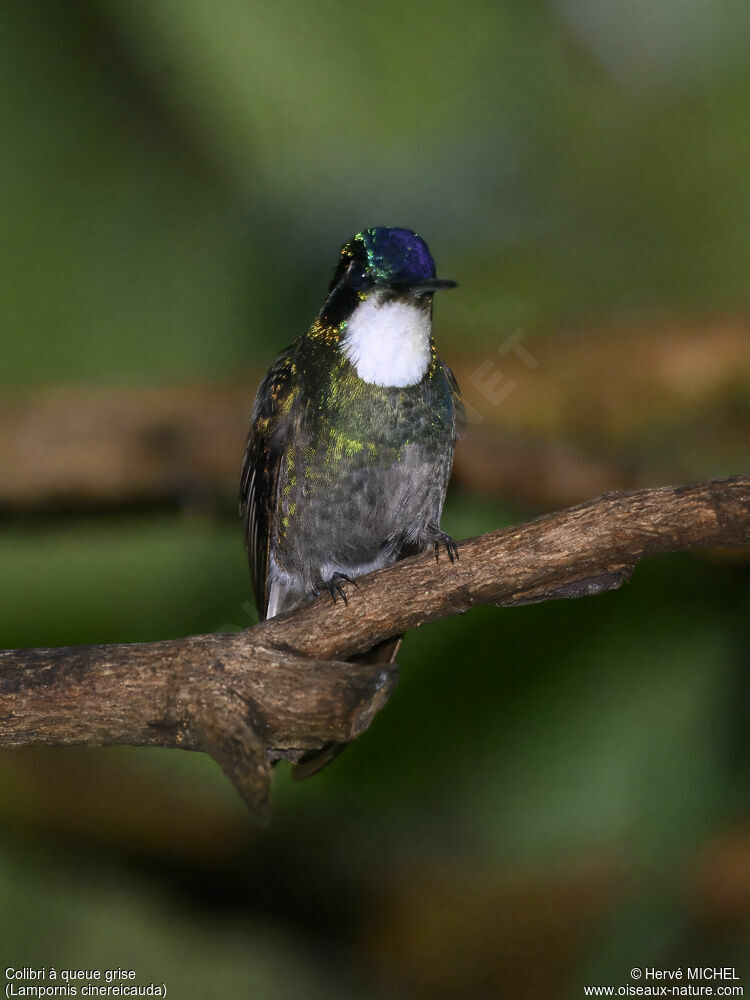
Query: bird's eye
{"type": "Point", "coordinates": [357, 277]}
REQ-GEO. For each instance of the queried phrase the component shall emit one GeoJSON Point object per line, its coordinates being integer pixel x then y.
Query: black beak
{"type": "Point", "coordinates": [435, 285]}
{"type": "Point", "coordinates": [423, 287]}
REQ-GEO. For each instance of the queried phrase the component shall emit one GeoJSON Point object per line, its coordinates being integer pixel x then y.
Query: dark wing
{"type": "Point", "coordinates": [459, 414]}
{"type": "Point", "coordinates": [270, 430]}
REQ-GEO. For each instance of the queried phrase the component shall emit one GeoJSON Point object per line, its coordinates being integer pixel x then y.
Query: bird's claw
{"type": "Point", "coordinates": [335, 588]}
{"type": "Point", "coordinates": [451, 547]}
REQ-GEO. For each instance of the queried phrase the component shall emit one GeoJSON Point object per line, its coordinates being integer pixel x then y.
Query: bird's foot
{"type": "Point", "coordinates": [335, 586]}
{"type": "Point", "coordinates": [439, 538]}
{"type": "Point", "coordinates": [451, 547]}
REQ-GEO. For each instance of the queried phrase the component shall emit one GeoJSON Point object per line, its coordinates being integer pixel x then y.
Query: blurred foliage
{"type": "Point", "coordinates": [180, 174]}
{"type": "Point", "coordinates": [176, 179]}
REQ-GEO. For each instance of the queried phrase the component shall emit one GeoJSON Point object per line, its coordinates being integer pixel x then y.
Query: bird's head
{"type": "Point", "coordinates": [380, 302]}
{"type": "Point", "coordinates": [385, 262]}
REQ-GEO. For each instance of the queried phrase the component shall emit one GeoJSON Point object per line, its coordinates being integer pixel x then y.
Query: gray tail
{"type": "Point", "coordinates": [315, 760]}
{"type": "Point", "coordinates": [282, 598]}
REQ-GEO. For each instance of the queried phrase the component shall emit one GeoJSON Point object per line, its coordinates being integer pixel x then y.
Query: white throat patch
{"type": "Point", "coordinates": [388, 342]}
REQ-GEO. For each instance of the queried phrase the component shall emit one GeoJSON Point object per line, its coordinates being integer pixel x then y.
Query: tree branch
{"type": "Point", "coordinates": [546, 443]}
{"type": "Point", "coordinates": [284, 686]}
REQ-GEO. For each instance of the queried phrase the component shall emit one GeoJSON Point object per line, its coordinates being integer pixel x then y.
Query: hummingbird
{"type": "Point", "coordinates": [352, 434]}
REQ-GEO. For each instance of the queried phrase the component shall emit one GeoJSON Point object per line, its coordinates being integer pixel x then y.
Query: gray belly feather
{"type": "Point", "coordinates": [358, 513]}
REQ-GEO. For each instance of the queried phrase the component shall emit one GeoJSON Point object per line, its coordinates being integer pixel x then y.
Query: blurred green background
{"type": "Point", "coordinates": [555, 793]}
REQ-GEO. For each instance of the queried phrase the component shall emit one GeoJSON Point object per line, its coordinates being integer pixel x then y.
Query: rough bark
{"type": "Point", "coordinates": [284, 686]}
